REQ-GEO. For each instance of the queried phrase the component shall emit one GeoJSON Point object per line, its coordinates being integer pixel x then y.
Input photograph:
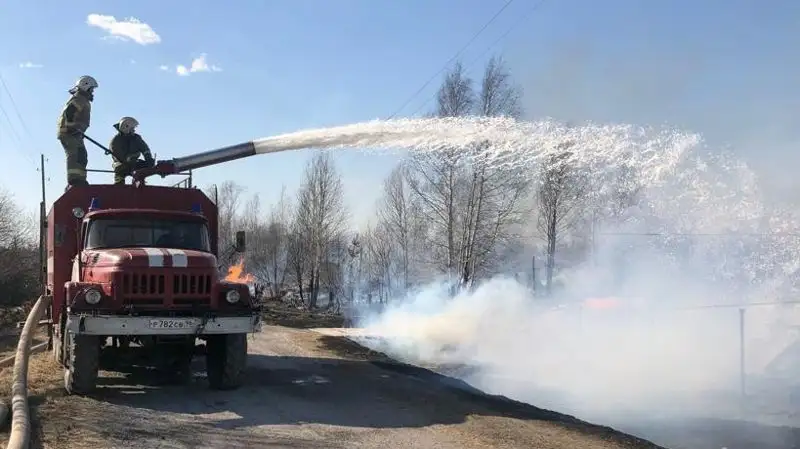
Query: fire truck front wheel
{"type": "Point", "coordinates": [226, 357]}
{"type": "Point", "coordinates": [83, 358]}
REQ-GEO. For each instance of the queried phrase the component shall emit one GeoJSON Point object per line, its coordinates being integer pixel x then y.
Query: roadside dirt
{"type": "Point", "coordinates": [303, 390]}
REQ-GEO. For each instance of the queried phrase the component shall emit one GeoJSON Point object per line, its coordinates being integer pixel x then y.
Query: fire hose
{"type": "Point", "coordinates": [19, 437]}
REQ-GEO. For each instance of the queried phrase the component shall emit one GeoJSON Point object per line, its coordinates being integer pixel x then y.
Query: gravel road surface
{"type": "Point", "coordinates": [304, 390]}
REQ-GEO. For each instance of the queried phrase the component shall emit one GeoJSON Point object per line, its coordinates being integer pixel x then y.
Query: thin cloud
{"type": "Point", "coordinates": [128, 29]}
{"type": "Point", "coordinates": [30, 65]}
{"type": "Point", "coordinates": [199, 64]}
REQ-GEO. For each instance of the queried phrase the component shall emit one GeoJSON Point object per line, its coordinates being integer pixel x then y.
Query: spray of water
{"type": "Point", "coordinates": [510, 142]}
{"type": "Point", "coordinates": [648, 352]}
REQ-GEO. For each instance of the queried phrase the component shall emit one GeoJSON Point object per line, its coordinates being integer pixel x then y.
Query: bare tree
{"type": "Point", "coordinates": [320, 215]}
{"type": "Point", "coordinates": [332, 274]}
{"type": "Point", "coordinates": [397, 216]}
{"type": "Point", "coordinates": [493, 194]}
{"type": "Point", "coordinates": [499, 96]}
{"type": "Point", "coordinates": [19, 257]}
{"type": "Point", "coordinates": [276, 245]}
{"type": "Point", "coordinates": [559, 199]}
{"type": "Point", "coordinates": [227, 196]}
{"type": "Point", "coordinates": [355, 252]}
{"type": "Point", "coordinates": [435, 178]}
{"type": "Point", "coordinates": [297, 260]}
{"type": "Point", "coordinates": [379, 250]}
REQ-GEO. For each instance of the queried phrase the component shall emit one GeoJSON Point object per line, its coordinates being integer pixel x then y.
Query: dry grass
{"type": "Point", "coordinates": [279, 313]}
{"type": "Point", "coordinates": [44, 385]}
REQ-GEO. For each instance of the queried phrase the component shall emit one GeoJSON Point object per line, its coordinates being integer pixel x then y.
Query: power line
{"type": "Point", "coordinates": [11, 127]}
{"type": "Point", "coordinates": [14, 134]}
{"type": "Point", "coordinates": [14, 105]}
{"type": "Point", "coordinates": [453, 58]}
{"type": "Point", "coordinates": [492, 45]}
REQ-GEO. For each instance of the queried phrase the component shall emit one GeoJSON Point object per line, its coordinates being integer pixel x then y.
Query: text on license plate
{"type": "Point", "coordinates": [171, 324]}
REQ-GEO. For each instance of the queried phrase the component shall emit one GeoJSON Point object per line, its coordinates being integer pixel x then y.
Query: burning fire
{"type": "Point", "coordinates": [236, 273]}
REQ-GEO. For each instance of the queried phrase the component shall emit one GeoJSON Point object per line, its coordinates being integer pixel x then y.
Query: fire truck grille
{"type": "Point", "coordinates": [191, 284]}
{"type": "Point", "coordinates": [143, 284]}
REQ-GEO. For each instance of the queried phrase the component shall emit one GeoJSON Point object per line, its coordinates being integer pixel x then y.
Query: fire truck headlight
{"type": "Point", "coordinates": [92, 296]}
{"type": "Point", "coordinates": [232, 296]}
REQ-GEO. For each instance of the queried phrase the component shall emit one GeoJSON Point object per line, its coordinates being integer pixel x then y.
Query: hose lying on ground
{"type": "Point", "coordinates": [8, 361]}
{"type": "Point", "coordinates": [19, 437]}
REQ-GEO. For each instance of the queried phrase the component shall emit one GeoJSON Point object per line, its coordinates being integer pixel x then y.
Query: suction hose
{"type": "Point", "coordinates": [19, 437]}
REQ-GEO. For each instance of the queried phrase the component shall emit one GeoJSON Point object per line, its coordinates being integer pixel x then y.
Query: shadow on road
{"type": "Point", "coordinates": [282, 390]}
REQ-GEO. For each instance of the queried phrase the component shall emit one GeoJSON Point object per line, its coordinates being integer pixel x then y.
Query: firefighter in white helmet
{"type": "Point", "coordinates": [126, 147]}
{"type": "Point", "coordinates": [72, 123]}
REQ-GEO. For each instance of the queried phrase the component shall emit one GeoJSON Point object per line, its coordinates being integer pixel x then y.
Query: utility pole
{"type": "Point", "coordinates": [42, 234]}
{"type": "Point", "coordinates": [43, 251]}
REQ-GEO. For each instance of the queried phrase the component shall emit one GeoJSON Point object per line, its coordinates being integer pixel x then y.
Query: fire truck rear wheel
{"type": "Point", "coordinates": [226, 357]}
{"type": "Point", "coordinates": [83, 358]}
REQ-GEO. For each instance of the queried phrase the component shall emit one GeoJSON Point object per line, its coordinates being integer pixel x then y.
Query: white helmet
{"type": "Point", "coordinates": [85, 83]}
{"type": "Point", "coordinates": [126, 125]}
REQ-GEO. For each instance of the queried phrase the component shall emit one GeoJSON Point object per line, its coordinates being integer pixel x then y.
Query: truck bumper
{"type": "Point", "coordinates": [143, 325]}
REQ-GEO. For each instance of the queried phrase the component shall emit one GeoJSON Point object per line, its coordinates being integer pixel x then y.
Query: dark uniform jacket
{"type": "Point", "coordinates": [75, 116]}
{"type": "Point", "coordinates": [126, 149]}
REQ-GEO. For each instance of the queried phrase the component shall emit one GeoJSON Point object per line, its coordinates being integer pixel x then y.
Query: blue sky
{"type": "Point", "coordinates": [728, 69]}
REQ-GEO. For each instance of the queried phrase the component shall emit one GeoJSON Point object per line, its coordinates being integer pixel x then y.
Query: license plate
{"type": "Point", "coordinates": [169, 323]}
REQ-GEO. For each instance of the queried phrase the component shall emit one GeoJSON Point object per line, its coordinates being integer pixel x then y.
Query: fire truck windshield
{"type": "Point", "coordinates": [131, 233]}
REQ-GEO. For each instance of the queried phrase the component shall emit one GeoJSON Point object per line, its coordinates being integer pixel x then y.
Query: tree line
{"type": "Point", "coordinates": [442, 216]}
{"type": "Point", "coordinates": [19, 253]}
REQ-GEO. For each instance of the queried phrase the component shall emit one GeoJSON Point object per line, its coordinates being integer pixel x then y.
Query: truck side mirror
{"type": "Point", "coordinates": [241, 242]}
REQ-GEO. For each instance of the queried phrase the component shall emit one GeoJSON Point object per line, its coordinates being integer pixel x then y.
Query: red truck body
{"type": "Point", "coordinates": [63, 230]}
{"type": "Point", "coordinates": [109, 278]}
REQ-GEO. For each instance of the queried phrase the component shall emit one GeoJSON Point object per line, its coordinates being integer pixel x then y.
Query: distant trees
{"type": "Point", "coordinates": [442, 214]}
{"type": "Point", "coordinates": [19, 254]}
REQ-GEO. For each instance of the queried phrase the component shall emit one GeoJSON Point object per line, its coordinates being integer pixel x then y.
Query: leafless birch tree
{"type": "Point", "coordinates": [559, 200]}
{"type": "Point", "coordinates": [276, 245]}
{"type": "Point", "coordinates": [320, 215]}
{"type": "Point", "coordinates": [493, 194]}
{"type": "Point", "coordinates": [435, 178]}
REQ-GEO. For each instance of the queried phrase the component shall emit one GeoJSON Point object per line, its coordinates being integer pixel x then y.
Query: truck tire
{"type": "Point", "coordinates": [226, 357]}
{"type": "Point", "coordinates": [83, 352]}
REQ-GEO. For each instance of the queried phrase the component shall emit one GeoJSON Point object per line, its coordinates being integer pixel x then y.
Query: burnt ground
{"type": "Point", "coordinates": [279, 313]}
{"type": "Point", "coordinates": [303, 389]}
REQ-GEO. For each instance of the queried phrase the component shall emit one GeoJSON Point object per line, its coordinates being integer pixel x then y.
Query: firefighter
{"type": "Point", "coordinates": [126, 147]}
{"type": "Point", "coordinates": [72, 123]}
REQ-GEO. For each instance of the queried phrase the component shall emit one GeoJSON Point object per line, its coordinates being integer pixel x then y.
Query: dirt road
{"type": "Point", "coordinates": [304, 390]}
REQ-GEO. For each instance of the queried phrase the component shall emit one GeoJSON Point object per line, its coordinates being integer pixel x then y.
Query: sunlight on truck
{"type": "Point", "coordinates": [134, 270]}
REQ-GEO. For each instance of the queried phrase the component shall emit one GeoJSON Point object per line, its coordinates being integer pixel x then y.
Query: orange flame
{"type": "Point", "coordinates": [236, 273]}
